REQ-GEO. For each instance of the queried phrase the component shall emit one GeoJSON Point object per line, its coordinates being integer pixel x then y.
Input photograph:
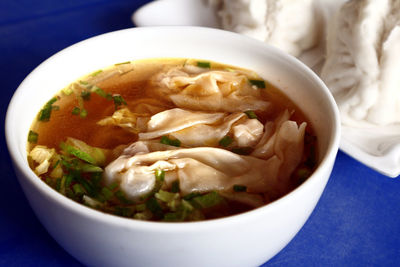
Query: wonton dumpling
{"type": "Point", "coordinates": [287, 24]}
{"type": "Point", "coordinates": [285, 139]}
{"type": "Point", "coordinates": [362, 68]}
{"type": "Point", "coordinates": [209, 90]}
{"type": "Point", "coordinates": [201, 169]}
{"type": "Point", "coordinates": [205, 169]}
{"type": "Point", "coordinates": [196, 128]}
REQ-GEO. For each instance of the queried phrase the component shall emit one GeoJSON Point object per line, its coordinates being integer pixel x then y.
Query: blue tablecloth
{"type": "Point", "coordinates": [356, 222]}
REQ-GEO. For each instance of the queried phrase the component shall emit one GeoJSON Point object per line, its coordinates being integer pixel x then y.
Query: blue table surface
{"type": "Point", "coordinates": [356, 222]}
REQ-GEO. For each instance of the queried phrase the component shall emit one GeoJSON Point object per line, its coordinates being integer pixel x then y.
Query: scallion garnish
{"type": "Point", "coordinates": [203, 64]}
{"type": "Point", "coordinates": [251, 114]}
{"type": "Point", "coordinates": [78, 190]}
{"type": "Point", "coordinates": [118, 101]}
{"type": "Point", "coordinates": [175, 186]}
{"type": "Point", "coordinates": [121, 197]}
{"type": "Point", "coordinates": [239, 188]}
{"type": "Point", "coordinates": [122, 63]}
{"type": "Point", "coordinates": [83, 113]}
{"type": "Point", "coordinates": [172, 142]}
{"type": "Point", "coordinates": [96, 73]}
{"type": "Point", "coordinates": [258, 83]}
{"type": "Point", "coordinates": [107, 193]}
{"type": "Point", "coordinates": [166, 196]}
{"type": "Point", "coordinates": [67, 91]}
{"type": "Point", "coordinates": [33, 137]}
{"type": "Point", "coordinates": [140, 207]}
{"type": "Point", "coordinates": [85, 95]}
{"type": "Point", "coordinates": [76, 111]}
{"type": "Point", "coordinates": [191, 195]}
{"type": "Point", "coordinates": [101, 92]}
{"type": "Point", "coordinates": [45, 112]}
{"type": "Point", "coordinates": [225, 141]}
{"type": "Point", "coordinates": [124, 211]}
{"type": "Point", "coordinates": [155, 208]}
{"type": "Point", "coordinates": [68, 180]}
{"type": "Point", "coordinates": [77, 153]}
{"type": "Point", "coordinates": [160, 175]}
{"type": "Point", "coordinates": [208, 200]}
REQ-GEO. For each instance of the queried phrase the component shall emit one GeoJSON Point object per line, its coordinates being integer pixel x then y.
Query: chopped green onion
{"type": "Point", "coordinates": [182, 212]}
{"type": "Point", "coordinates": [258, 83]}
{"type": "Point", "coordinates": [203, 64]}
{"type": "Point", "coordinates": [172, 217]}
{"type": "Point", "coordinates": [121, 197]}
{"type": "Point", "coordinates": [85, 95]}
{"type": "Point", "coordinates": [83, 82]}
{"type": "Point", "coordinates": [113, 186]}
{"type": "Point", "coordinates": [76, 111]}
{"type": "Point", "coordinates": [122, 63]}
{"type": "Point", "coordinates": [118, 101]}
{"type": "Point", "coordinates": [45, 112]}
{"type": "Point", "coordinates": [90, 168]}
{"type": "Point", "coordinates": [77, 153]}
{"type": "Point", "coordinates": [33, 137]}
{"type": "Point", "coordinates": [191, 195]}
{"type": "Point", "coordinates": [174, 204]}
{"type": "Point", "coordinates": [124, 211]}
{"type": "Point", "coordinates": [160, 175]}
{"type": "Point", "coordinates": [96, 73]}
{"type": "Point", "coordinates": [101, 92]}
{"type": "Point", "coordinates": [225, 141]}
{"type": "Point", "coordinates": [141, 207]}
{"type": "Point", "coordinates": [67, 91]}
{"type": "Point", "coordinates": [52, 101]}
{"type": "Point", "coordinates": [56, 164]}
{"type": "Point", "coordinates": [155, 208]}
{"type": "Point", "coordinates": [175, 186]}
{"type": "Point", "coordinates": [239, 188]}
{"type": "Point", "coordinates": [250, 114]}
{"type": "Point", "coordinates": [107, 193]}
{"type": "Point", "coordinates": [83, 113]}
{"type": "Point", "coordinates": [145, 215]}
{"type": "Point", "coordinates": [172, 142]}
{"type": "Point", "coordinates": [68, 180]}
{"type": "Point", "coordinates": [208, 200]}
{"type": "Point", "coordinates": [166, 196]}
{"type": "Point", "coordinates": [58, 184]}
{"type": "Point", "coordinates": [91, 202]}
{"type": "Point", "coordinates": [78, 190]}
{"type": "Point", "coordinates": [97, 153]}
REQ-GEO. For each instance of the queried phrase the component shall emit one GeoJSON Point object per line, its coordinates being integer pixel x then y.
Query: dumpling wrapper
{"type": "Point", "coordinates": [211, 90]}
{"type": "Point", "coordinates": [196, 128]}
{"type": "Point", "coordinates": [361, 68]}
{"type": "Point", "coordinates": [204, 169]}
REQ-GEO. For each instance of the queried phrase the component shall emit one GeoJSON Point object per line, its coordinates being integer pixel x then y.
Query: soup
{"type": "Point", "coordinates": [172, 140]}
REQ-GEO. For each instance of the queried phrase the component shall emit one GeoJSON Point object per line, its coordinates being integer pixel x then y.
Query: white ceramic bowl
{"type": "Point", "coordinates": [99, 239]}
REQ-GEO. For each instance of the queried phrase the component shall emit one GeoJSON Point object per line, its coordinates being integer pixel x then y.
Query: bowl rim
{"type": "Point", "coordinates": [30, 176]}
